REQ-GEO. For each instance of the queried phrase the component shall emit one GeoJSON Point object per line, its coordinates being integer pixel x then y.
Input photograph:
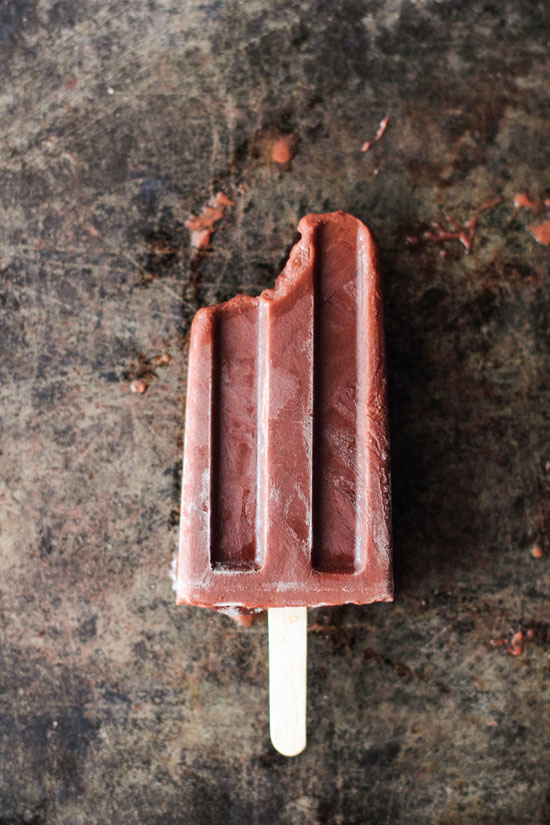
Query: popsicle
{"type": "Point", "coordinates": [285, 488]}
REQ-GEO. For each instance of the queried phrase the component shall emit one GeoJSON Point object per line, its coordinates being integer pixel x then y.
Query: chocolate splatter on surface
{"type": "Point", "coordinates": [454, 231]}
{"type": "Point", "coordinates": [203, 226]}
{"type": "Point", "coordinates": [283, 150]}
{"type": "Point", "coordinates": [541, 232]}
{"type": "Point", "coordinates": [380, 131]}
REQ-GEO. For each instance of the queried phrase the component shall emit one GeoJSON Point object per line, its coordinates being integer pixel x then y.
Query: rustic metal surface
{"type": "Point", "coordinates": [119, 121]}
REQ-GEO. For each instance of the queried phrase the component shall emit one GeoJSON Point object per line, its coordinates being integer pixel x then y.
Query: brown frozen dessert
{"type": "Point", "coordinates": [286, 495]}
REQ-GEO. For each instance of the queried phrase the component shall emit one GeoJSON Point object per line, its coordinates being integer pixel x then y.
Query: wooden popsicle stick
{"type": "Point", "coordinates": [287, 628]}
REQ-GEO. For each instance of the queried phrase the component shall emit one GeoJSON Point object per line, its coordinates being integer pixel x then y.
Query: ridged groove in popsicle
{"type": "Point", "coordinates": [335, 390]}
{"type": "Point", "coordinates": [234, 436]}
{"type": "Point", "coordinates": [262, 461]}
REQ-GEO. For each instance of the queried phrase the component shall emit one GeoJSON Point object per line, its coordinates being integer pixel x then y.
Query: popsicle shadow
{"type": "Point", "coordinates": [438, 477]}
{"type": "Point", "coordinates": [449, 448]}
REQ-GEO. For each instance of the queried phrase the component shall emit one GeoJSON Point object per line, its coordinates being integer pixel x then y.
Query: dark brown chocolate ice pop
{"type": "Point", "coordinates": [286, 497]}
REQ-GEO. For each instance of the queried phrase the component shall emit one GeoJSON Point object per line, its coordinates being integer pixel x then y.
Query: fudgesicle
{"type": "Point", "coordinates": [286, 494]}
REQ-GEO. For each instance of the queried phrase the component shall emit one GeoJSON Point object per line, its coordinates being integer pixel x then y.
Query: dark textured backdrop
{"type": "Point", "coordinates": [119, 120]}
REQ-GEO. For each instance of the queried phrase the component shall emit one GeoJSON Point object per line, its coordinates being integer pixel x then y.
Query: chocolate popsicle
{"type": "Point", "coordinates": [286, 496]}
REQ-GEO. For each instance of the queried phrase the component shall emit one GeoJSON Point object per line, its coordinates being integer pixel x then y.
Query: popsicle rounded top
{"type": "Point", "coordinates": [285, 489]}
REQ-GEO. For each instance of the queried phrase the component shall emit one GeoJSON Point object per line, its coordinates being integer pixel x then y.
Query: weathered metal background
{"type": "Point", "coordinates": [119, 120]}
